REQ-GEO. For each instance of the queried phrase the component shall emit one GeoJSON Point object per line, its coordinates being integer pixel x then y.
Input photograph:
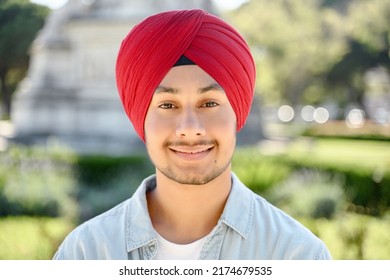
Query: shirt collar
{"type": "Point", "coordinates": [239, 208]}
{"type": "Point", "coordinates": [237, 214]}
{"type": "Point", "coordinates": [139, 228]}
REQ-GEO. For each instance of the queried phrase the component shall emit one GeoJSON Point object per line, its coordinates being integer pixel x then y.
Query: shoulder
{"type": "Point", "coordinates": [107, 221]}
{"type": "Point", "coordinates": [268, 216]}
{"type": "Point", "coordinates": [93, 238]}
{"type": "Point", "coordinates": [290, 239]}
{"type": "Point", "coordinates": [110, 234]}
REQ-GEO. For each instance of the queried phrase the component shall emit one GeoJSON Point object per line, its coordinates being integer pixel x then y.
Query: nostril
{"type": "Point", "coordinates": [190, 125]}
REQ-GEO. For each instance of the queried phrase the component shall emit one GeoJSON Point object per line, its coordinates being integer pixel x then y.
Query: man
{"type": "Point", "coordinates": [186, 80]}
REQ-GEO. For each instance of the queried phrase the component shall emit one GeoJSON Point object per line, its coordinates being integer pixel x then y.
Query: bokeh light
{"type": "Point", "coordinates": [285, 113]}
{"type": "Point", "coordinates": [355, 118]}
{"type": "Point", "coordinates": [321, 115]}
{"type": "Point", "coordinates": [307, 113]}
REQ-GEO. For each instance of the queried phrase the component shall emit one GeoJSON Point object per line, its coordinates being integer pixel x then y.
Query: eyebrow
{"type": "Point", "coordinates": [211, 87]}
{"type": "Point", "coordinates": [164, 89]}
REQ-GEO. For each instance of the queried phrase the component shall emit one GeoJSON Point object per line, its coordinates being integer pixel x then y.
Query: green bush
{"type": "Point", "coordinates": [56, 182]}
{"type": "Point", "coordinates": [106, 181]}
{"type": "Point", "coordinates": [359, 184]}
{"type": "Point", "coordinates": [363, 165]}
{"type": "Point", "coordinates": [352, 236]}
{"type": "Point", "coordinates": [36, 182]}
{"type": "Point", "coordinates": [258, 172]}
{"type": "Point", "coordinates": [311, 194]}
{"type": "Point", "coordinates": [96, 170]}
{"type": "Point", "coordinates": [359, 168]}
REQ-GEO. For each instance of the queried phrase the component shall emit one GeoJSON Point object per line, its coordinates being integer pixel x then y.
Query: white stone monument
{"type": "Point", "coordinates": [70, 93]}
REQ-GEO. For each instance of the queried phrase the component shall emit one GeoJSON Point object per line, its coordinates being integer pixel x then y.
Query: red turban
{"type": "Point", "coordinates": [154, 45]}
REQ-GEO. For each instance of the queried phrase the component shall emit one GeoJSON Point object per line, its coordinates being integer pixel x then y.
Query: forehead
{"type": "Point", "coordinates": [187, 74]}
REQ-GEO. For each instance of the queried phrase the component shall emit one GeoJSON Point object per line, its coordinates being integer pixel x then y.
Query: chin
{"type": "Point", "coordinates": [192, 178]}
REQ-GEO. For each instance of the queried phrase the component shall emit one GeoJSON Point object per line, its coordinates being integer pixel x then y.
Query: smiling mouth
{"type": "Point", "coordinates": [191, 153]}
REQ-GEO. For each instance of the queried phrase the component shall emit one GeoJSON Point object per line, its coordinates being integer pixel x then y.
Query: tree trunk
{"type": "Point", "coordinates": [5, 94]}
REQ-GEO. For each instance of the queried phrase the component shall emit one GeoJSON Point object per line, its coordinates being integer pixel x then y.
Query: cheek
{"type": "Point", "coordinates": [149, 128]}
{"type": "Point", "coordinates": [154, 136]}
{"type": "Point", "coordinates": [155, 125]}
{"type": "Point", "coordinates": [228, 127]}
{"type": "Point", "coordinates": [225, 121]}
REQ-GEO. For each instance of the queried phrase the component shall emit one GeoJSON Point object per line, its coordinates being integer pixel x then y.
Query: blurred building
{"type": "Point", "coordinates": [70, 95]}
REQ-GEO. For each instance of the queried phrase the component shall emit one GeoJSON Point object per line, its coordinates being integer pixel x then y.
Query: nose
{"type": "Point", "coordinates": [189, 124]}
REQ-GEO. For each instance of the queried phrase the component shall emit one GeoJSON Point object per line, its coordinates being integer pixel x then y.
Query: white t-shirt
{"type": "Point", "coordinates": [172, 251]}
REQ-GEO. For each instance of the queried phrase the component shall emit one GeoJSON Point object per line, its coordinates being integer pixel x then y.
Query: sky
{"type": "Point", "coordinates": [223, 4]}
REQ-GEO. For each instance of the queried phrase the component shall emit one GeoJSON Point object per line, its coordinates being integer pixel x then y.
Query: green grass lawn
{"type": "Point", "coordinates": [351, 153]}
{"type": "Point", "coordinates": [31, 238]}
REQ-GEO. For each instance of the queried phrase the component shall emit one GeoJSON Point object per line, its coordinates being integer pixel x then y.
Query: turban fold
{"type": "Point", "coordinates": [153, 47]}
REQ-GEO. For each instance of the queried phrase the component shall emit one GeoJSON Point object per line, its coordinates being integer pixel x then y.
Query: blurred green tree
{"type": "Point", "coordinates": [312, 51]}
{"type": "Point", "coordinates": [294, 43]}
{"type": "Point", "coordinates": [20, 22]}
{"type": "Point", "coordinates": [368, 46]}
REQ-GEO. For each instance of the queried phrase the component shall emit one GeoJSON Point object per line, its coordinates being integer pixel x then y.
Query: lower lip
{"type": "Point", "coordinates": [192, 157]}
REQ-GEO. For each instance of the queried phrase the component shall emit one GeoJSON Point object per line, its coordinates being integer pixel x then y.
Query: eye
{"type": "Point", "coordinates": [166, 106]}
{"type": "Point", "coordinates": [210, 104]}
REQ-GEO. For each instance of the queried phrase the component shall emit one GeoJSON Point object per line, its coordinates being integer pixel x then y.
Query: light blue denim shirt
{"type": "Point", "coordinates": [249, 228]}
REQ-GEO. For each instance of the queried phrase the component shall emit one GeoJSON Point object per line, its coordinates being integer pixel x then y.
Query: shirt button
{"type": "Point", "coordinates": [152, 247]}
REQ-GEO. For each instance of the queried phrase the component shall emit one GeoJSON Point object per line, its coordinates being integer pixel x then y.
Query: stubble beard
{"type": "Point", "coordinates": [193, 179]}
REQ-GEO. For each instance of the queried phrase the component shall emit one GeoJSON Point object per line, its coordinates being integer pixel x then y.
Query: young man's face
{"type": "Point", "coordinates": [190, 127]}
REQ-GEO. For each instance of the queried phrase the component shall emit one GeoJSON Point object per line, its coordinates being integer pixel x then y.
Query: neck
{"type": "Point", "coordinates": [185, 213]}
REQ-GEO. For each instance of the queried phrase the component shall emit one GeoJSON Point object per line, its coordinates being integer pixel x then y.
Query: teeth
{"type": "Point", "coordinates": [190, 152]}
{"type": "Point", "coordinates": [196, 152]}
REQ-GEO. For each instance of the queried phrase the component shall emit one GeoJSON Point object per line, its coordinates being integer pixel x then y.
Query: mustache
{"type": "Point", "coordinates": [190, 143]}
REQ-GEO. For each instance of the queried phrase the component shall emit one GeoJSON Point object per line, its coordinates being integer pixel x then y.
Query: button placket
{"type": "Point", "coordinates": [150, 250]}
